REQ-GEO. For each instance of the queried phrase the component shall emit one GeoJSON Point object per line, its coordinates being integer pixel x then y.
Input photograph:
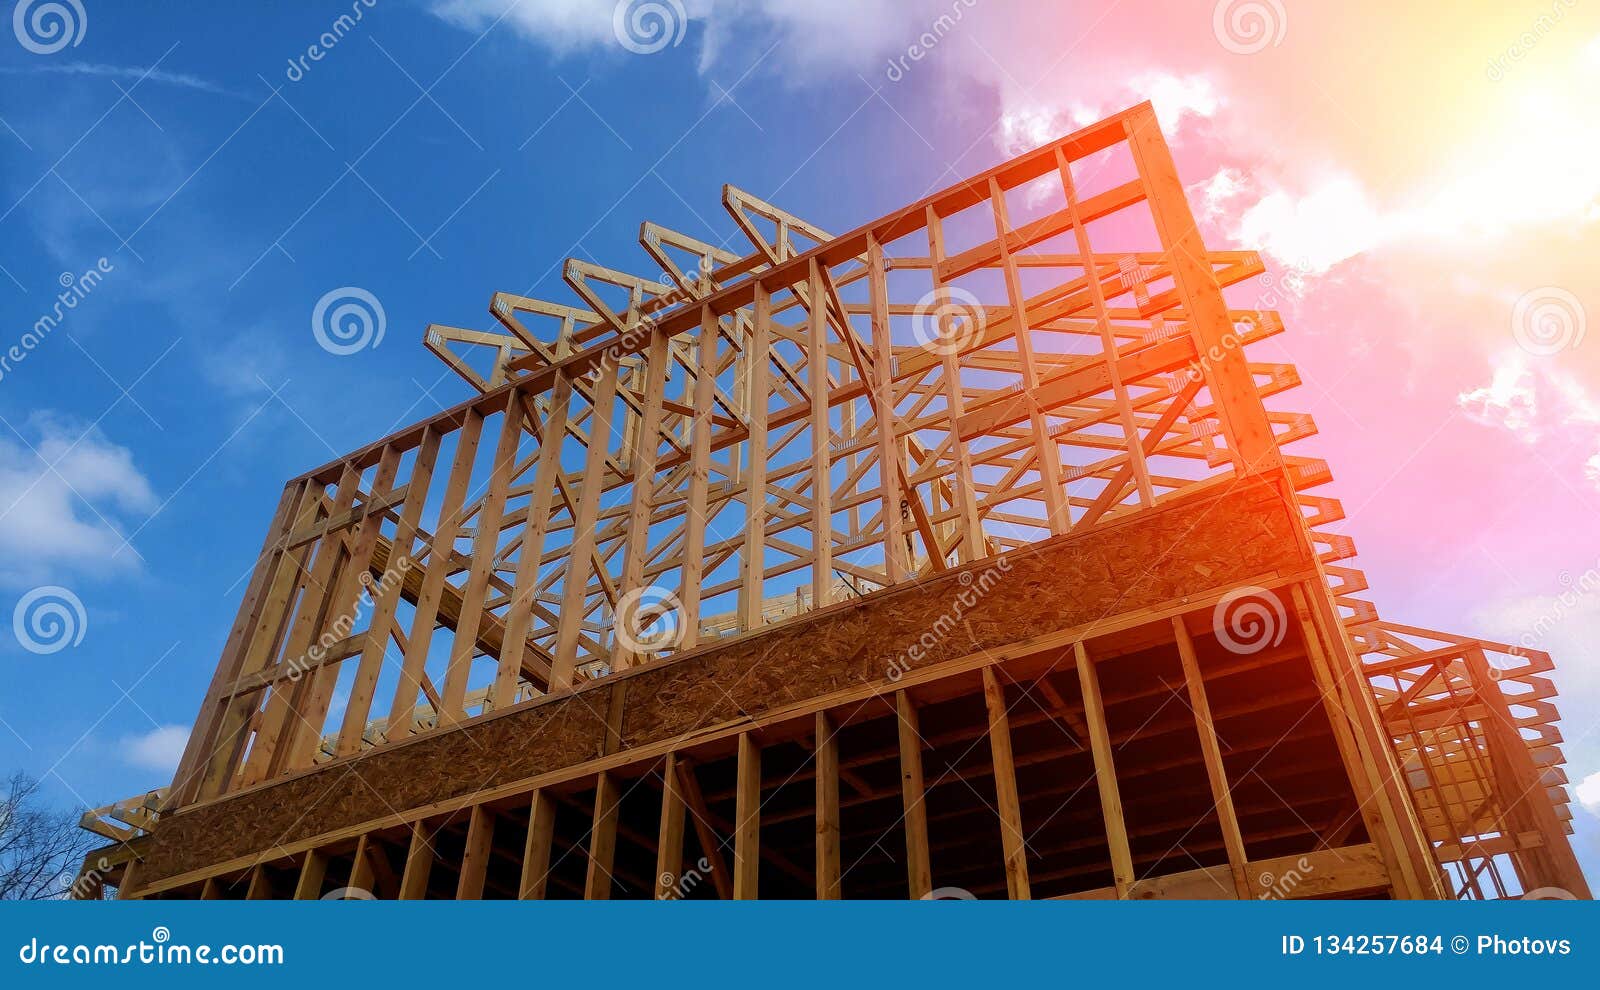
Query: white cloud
{"type": "Point", "coordinates": [821, 35]}
{"type": "Point", "coordinates": [1027, 125]}
{"type": "Point", "coordinates": [60, 491]}
{"type": "Point", "coordinates": [1315, 230]}
{"type": "Point", "coordinates": [159, 749]}
{"type": "Point", "coordinates": [1532, 401]}
{"type": "Point", "coordinates": [1588, 793]}
{"type": "Point", "coordinates": [245, 365]}
{"type": "Point", "coordinates": [1025, 128]}
{"type": "Point", "coordinates": [1509, 400]}
{"type": "Point", "coordinates": [561, 25]}
{"type": "Point", "coordinates": [1175, 98]}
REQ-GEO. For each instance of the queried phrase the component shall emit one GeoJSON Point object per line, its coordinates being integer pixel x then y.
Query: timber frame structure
{"type": "Point", "coordinates": [962, 552]}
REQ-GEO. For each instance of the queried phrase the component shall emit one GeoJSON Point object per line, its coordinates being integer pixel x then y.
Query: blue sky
{"type": "Point", "coordinates": [429, 160]}
{"type": "Point", "coordinates": [195, 182]}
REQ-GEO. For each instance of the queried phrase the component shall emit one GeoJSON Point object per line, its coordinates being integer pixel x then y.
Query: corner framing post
{"type": "Point", "coordinates": [1500, 726]}
{"type": "Point", "coordinates": [1220, 355]}
{"type": "Point", "coordinates": [1373, 771]}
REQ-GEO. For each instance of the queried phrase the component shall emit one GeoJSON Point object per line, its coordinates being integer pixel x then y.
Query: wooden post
{"type": "Point", "coordinates": [747, 821]}
{"type": "Point", "coordinates": [206, 761]}
{"type": "Point", "coordinates": [642, 499]}
{"type": "Point", "coordinates": [426, 612]}
{"type": "Point", "coordinates": [363, 874]}
{"type": "Point", "coordinates": [536, 850]}
{"type": "Point", "coordinates": [313, 869]}
{"type": "Point", "coordinates": [1108, 340]}
{"type": "Point", "coordinates": [279, 724]}
{"type": "Point", "coordinates": [826, 753]}
{"type": "Point", "coordinates": [386, 598]}
{"type": "Point", "coordinates": [821, 447]}
{"type": "Point", "coordinates": [1105, 772]}
{"type": "Point", "coordinates": [707, 836]}
{"type": "Point", "coordinates": [1528, 781]}
{"type": "Point", "coordinates": [955, 404]}
{"type": "Point", "coordinates": [694, 522]}
{"type": "Point", "coordinates": [1047, 452]}
{"type": "Point", "coordinates": [1211, 751]}
{"type": "Point", "coordinates": [580, 555]}
{"type": "Point", "coordinates": [519, 616]}
{"type": "Point", "coordinates": [753, 562]}
{"type": "Point", "coordinates": [602, 838]}
{"type": "Point", "coordinates": [894, 537]}
{"type": "Point", "coordinates": [260, 884]}
{"type": "Point", "coordinates": [475, 859]}
{"type": "Point", "coordinates": [1384, 821]}
{"type": "Point", "coordinates": [419, 864]}
{"type": "Point", "coordinates": [128, 889]}
{"type": "Point", "coordinates": [1226, 370]}
{"type": "Point", "coordinates": [485, 548]}
{"type": "Point", "coordinates": [669, 838]}
{"type": "Point", "coordinates": [1012, 839]}
{"type": "Point", "coordinates": [919, 873]}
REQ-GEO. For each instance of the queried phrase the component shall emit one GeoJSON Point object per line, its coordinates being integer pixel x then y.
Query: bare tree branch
{"type": "Point", "coordinates": [40, 847]}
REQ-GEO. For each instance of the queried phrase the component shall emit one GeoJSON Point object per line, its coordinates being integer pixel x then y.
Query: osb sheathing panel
{"type": "Point", "coordinates": [1150, 559]}
{"type": "Point", "coordinates": [437, 768]}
